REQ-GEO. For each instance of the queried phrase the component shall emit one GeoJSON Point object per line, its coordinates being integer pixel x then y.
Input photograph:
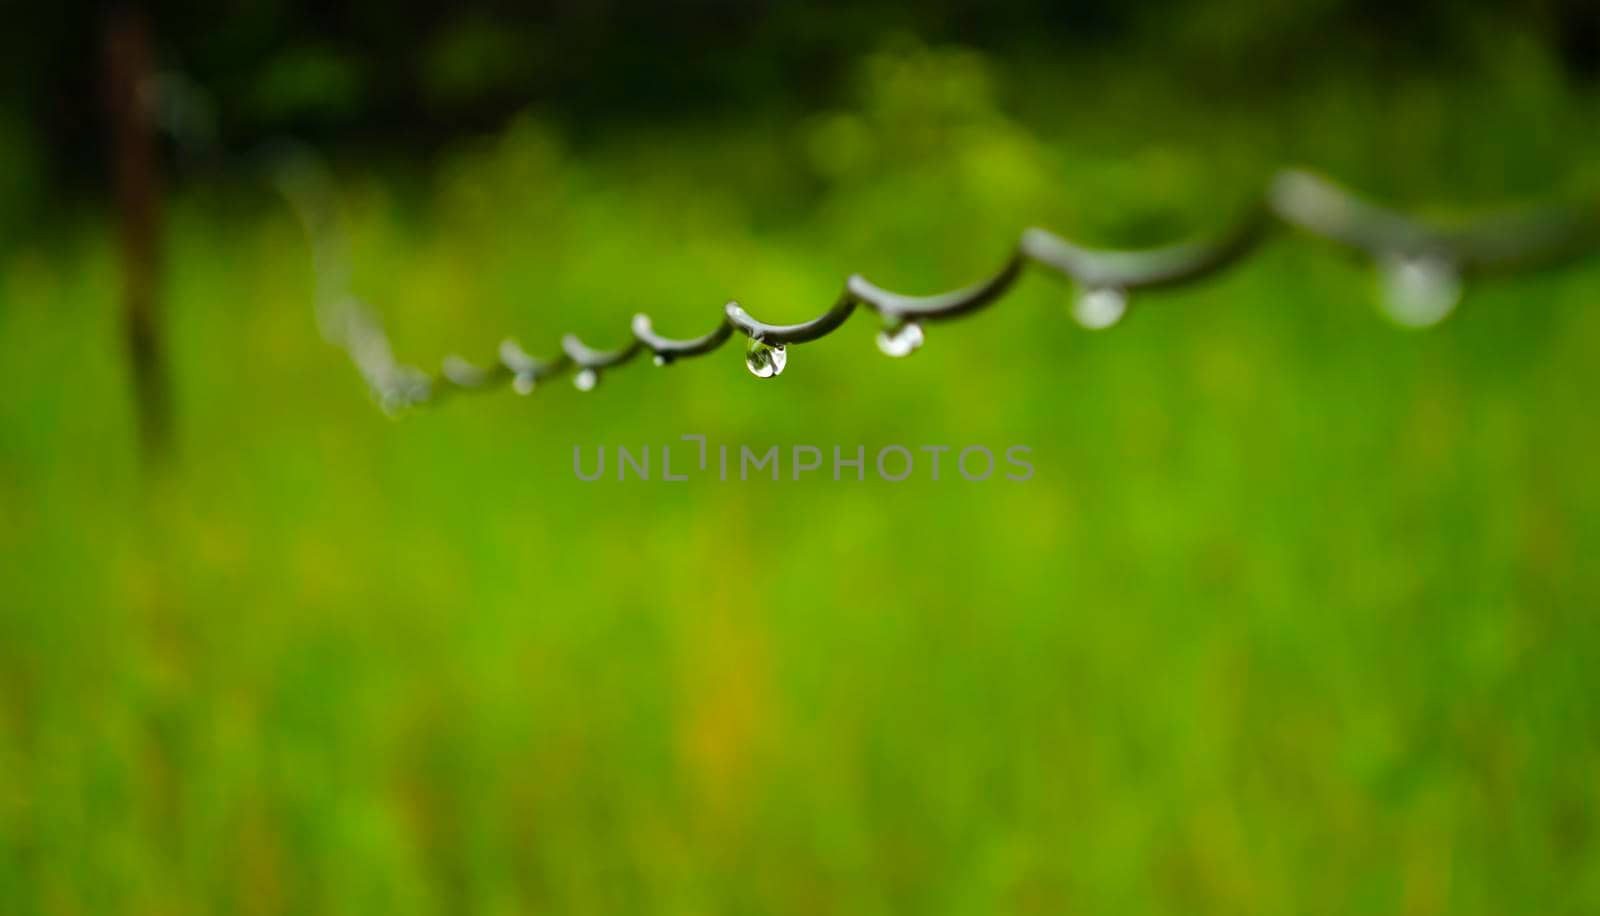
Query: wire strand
{"type": "Point", "coordinates": [1423, 265]}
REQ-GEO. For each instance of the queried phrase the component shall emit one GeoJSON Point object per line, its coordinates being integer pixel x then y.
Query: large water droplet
{"type": "Point", "coordinates": [523, 383]}
{"type": "Point", "coordinates": [765, 360]}
{"type": "Point", "coordinates": [1100, 307]}
{"type": "Point", "coordinates": [661, 359]}
{"type": "Point", "coordinates": [1419, 290]}
{"type": "Point", "coordinates": [586, 379]}
{"type": "Point", "coordinates": [900, 341]}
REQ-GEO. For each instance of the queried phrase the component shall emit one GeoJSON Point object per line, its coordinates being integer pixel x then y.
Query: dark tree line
{"type": "Point", "coordinates": [410, 75]}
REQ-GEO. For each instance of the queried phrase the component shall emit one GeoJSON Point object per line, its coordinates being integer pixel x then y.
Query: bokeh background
{"type": "Point", "coordinates": [1297, 614]}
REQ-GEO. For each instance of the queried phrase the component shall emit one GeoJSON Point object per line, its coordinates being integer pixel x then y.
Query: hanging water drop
{"type": "Point", "coordinates": [1419, 290]}
{"type": "Point", "coordinates": [1100, 307]}
{"type": "Point", "coordinates": [662, 359]}
{"type": "Point", "coordinates": [900, 341]}
{"type": "Point", "coordinates": [523, 383]}
{"type": "Point", "coordinates": [586, 379]}
{"type": "Point", "coordinates": [765, 360]}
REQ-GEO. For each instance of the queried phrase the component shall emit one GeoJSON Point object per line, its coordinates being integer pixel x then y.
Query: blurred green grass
{"type": "Point", "coordinates": [1296, 614]}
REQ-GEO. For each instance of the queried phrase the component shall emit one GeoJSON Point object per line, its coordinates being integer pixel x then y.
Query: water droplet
{"type": "Point", "coordinates": [1419, 290]}
{"type": "Point", "coordinates": [662, 359]}
{"type": "Point", "coordinates": [900, 341]}
{"type": "Point", "coordinates": [586, 379]}
{"type": "Point", "coordinates": [523, 383]}
{"type": "Point", "coordinates": [1100, 307]}
{"type": "Point", "coordinates": [765, 360]}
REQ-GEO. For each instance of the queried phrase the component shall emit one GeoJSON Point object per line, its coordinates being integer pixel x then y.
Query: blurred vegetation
{"type": "Point", "coordinates": [1296, 615]}
{"type": "Point", "coordinates": [377, 80]}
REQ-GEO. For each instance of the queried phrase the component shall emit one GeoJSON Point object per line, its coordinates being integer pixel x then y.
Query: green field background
{"type": "Point", "coordinates": [1297, 614]}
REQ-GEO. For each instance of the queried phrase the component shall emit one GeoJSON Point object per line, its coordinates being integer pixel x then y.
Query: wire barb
{"type": "Point", "coordinates": [1421, 266]}
{"type": "Point", "coordinates": [666, 349]}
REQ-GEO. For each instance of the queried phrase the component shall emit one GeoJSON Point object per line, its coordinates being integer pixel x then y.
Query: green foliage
{"type": "Point", "coordinates": [1295, 616]}
{"type": "Point", "coordinates": [307, 81]}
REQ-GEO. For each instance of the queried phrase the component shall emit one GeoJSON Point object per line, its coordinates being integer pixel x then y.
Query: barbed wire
{"type": "Point", "coordinates": [1422, 267]}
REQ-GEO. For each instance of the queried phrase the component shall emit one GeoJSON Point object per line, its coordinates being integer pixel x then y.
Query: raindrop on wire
{"type": "Point", "coordinates": [523, 367]}
{"type": "Point", "coordinates": [902, 340]}
{"type": "Point", "coordinates": [586, 379]}
{"type": "Point", "coordinates": [1100, 307]}
{"type": "Point", "coordinates": [662, 359]}
{"type": "Point", "coordinates": [765, 360]}
{"type": "Point", "coordinates": [1419, 290]}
